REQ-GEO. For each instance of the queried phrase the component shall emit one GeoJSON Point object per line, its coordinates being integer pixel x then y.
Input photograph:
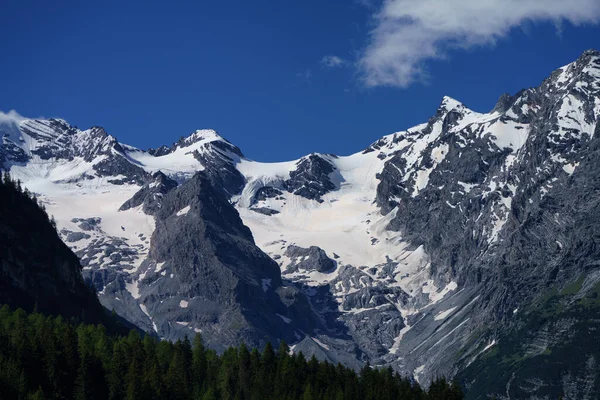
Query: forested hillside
{"type": "Point", "coordinates": [45, 357]}
{"type": "Point", "coordinates": [37, 270]}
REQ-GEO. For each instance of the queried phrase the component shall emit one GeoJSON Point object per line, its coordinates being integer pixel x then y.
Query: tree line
{"type": "Point", "coordinates": [44, 357]}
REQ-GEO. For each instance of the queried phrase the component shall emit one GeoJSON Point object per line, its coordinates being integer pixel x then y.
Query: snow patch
{"type": "Point", "coordinates": [133, 288]}
{"type": "Point", "coordinates": [489, 346]}
{"type": "Point", "coordinates": [183, 211]}
{"type": "Point", "coordinates": [323, 345]}
{"type": "Point", "coordinates": [285, 319]}
{"type": "Point", "coordinates": [444, 314]}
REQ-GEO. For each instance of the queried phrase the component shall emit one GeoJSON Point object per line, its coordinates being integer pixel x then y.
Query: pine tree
{"type": "Point", "coordinates": [177, 383]}
{"type": "Point", "coordinates": [83, 383]}
{"type": "Point", "coordinates": [7, 179]}
{"type": "Point", "coordinates": [117, 370]}
{"type": "Point", "coordinates": [198, 366]}
{"type": "Point", "coordinates": [244, 383]}
{"type": "Point", "coordinates": [134, 381]}
{"type": "Point", "coordinates": [228, 374]}
{"type": "Point", "coordinates": [309, 393]}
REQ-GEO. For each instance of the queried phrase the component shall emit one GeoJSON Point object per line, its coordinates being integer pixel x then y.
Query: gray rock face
{"type": "Point", "coordinates": [311, 259]}
{"type": "Point", "coordinates": [222, 172]}
{"type": "Point", "coordinates": [501, 217]}
{"type": "Point", "coordinates": [311, 178]}
{"type": "Point", "coordinates": [60, 147]}
{"type": "Point", "coordinates": [151, 194]}
{"type": "Point", "coordinates": [205, 273]}
{"type": "Point", "coordinates": [119, 166]}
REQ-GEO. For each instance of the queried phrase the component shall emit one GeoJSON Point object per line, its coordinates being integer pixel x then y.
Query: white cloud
{"type": "Point", "coordinates": [333, 62]}
{"type": "Point", "coordinates": [11, 117]}
{"type": "Point", "coordinates": [407, 33]}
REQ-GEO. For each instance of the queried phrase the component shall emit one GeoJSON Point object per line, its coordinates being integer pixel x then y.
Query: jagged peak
{"type": "Point", "coordinates": [504, 103]}
{"type": "Point", "coordinates": [585, 68]}
{"type": "Point", "coordinates": [450, 104]}
{"type": "Point", "coordinates": [590, 53]}
{"type": "Point", "coordinates": [207, 139]}
{"type": "Point", "coordinates": [200, 135]}
{"type": "Point", "coordinates": [98, 133]}
{"type": "Point", "coordinates": [588, 59]}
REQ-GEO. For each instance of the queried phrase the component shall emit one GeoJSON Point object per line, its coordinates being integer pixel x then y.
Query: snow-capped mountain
{"type": "Point", "coordinates": [425, 251]}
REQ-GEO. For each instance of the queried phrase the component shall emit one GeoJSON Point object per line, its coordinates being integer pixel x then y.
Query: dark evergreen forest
{"type": "Point", "coordinates": [43, 357]}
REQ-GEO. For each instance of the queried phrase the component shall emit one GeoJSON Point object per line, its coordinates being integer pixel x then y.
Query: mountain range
{"type": "Point", "coordinates": [466, 246]}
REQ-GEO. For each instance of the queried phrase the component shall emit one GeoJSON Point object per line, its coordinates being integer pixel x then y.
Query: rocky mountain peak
{"type": "Point", "coordinates": [449, 104]}
{"type": "Point", "coordinates": [589, 57]}
{"type": "Point", "coordinates": [207, 138]}
{"type": "Point", "coordinates": [200, 141]}
{"type": "Point", "coordinates": [583, 73]}
{"type": "Point", "coordinates": [311, 179]}
{"type": "Point", "coordinates": [200, 135]}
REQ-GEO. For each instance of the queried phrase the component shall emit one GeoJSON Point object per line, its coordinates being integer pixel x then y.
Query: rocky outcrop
{"type": "Point", "coordinates": [311, 259]}
{"type": "Point", "coordinates": [311, 178]}
{"type": "Point", "coordinates": [204, 273]}
{"type": "Point", "coordinates": [151, 194]}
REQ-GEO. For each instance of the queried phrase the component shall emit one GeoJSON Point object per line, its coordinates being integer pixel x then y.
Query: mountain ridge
{"type": "Point", "coordinates": [398, 254]}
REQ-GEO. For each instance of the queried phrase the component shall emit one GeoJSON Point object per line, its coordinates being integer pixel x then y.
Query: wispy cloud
{"type": "Point", "coordinates": [333, 61]}
{"type": "Point", "coordinates": [305, 74]}
{"type": "Point", "coordinates": [11, 117]}
{"type": "Point", "coordinates": [407, 33]}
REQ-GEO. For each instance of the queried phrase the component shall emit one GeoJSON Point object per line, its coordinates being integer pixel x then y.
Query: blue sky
{"type": "Point", "coordinates": [280, 79]}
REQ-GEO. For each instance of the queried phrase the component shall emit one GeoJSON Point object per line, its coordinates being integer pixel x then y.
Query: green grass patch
{"type": "Point", "coordinates": [573, 287]}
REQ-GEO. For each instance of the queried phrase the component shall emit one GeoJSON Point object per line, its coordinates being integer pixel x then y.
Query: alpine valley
{"type": "Point", "coordinates": [467, 246]}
